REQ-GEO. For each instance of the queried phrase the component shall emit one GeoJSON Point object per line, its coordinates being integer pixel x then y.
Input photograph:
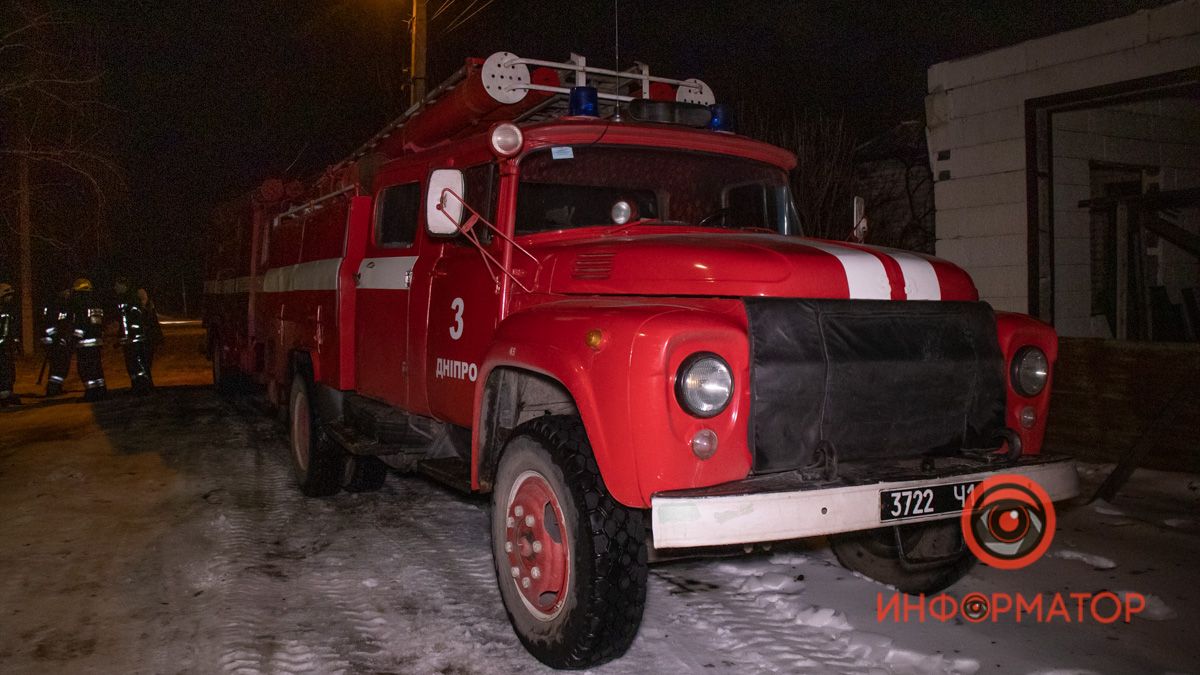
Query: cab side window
{"type": "Point", "coordinates": [396, 215]}
{"type": "Point", "coordinates": [481, 194]}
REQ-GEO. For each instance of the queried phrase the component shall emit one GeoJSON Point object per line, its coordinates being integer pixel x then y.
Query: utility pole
{"type": "Point", "coordinates": [419, 24]}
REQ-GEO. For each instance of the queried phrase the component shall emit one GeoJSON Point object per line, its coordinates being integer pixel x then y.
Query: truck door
{"type": "Point", "coordinates": [464, 308]}
{"type": "Point", "coordinates": [383, 282]}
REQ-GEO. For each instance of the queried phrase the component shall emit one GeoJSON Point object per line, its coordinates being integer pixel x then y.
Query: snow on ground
{"type": "Point", "coordinates": [165, 535]}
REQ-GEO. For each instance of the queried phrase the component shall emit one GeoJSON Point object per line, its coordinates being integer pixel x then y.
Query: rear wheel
{"type": "Point", "coordinates": [570, 560]}
{"type": "Point", "coordinates": [317, 464]}
{"type": "Point", "coordinates": [919, 558]}
{"type": "Point", "coordinates": [219, 379]}
{"type": "Point", "coordinates": [363, 474]}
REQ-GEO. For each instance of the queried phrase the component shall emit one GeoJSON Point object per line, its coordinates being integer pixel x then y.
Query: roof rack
{"type": "Point", "coordinates": [505, 87]}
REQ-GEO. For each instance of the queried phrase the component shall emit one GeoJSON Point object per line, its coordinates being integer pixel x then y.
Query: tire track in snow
{"type": "Point", "coordinates": [754, 613]}
{"type": "Point", "coordinates": [403, 580]}
{"type": "Point", "coordinates": [258, 502]}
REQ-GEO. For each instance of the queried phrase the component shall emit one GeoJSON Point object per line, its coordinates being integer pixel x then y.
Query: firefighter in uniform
{"type": "Point", "coordinates": [78, 324]}
{"type": "Point", "coordinates": [58, 340]}
{"type": "Point", "coordinates": [140, 332]}
{"type": "Point", "coordinates": [10, 337]}
{"type": "Point", "coordinates": [87, 321]}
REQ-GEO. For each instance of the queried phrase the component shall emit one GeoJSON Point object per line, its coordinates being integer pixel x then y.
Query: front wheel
{"type": "Point", "coordinates": [570, 560]}
{"type": "Point", "coordinates": [916, 559]}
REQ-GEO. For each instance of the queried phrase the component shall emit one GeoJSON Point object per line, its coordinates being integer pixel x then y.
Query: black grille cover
{"type": "Point", "coordinates": [876, 379]}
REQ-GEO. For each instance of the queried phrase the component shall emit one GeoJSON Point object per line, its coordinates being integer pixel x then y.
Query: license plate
{"type": "Point", "coordinates": [924, 501]}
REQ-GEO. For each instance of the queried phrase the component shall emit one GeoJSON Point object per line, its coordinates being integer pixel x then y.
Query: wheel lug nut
{"type": "Point", "coordinates": [529, 521]}
{"type": "Point", "coordinates": [537, 547]}
{"type": "Point", "coordinates": [525, 582]}
{"type": "Point", "coordinates": [516, 571]}
{"type": "Point", "coordinates": [508, 547]}
{"type": "Point", "coordinates": [519, 511]}
{"type": "Point", "coordinates": [510, 523]}
{"type": "Point", "coordinates": [536, 573]}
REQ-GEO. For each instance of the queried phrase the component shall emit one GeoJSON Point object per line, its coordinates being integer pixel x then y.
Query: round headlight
{"type": "Point", "coordinates": [1030, 370]}
{"type": "Point", "coordinates": [507, 139]}
{"type": "Point", "coordinates": [704, 385]}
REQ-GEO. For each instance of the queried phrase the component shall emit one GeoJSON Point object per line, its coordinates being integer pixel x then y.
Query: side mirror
{"type": "Point", "coordinates": [443, 211]}
{"type": "Point", "coordinates": [859, 231]}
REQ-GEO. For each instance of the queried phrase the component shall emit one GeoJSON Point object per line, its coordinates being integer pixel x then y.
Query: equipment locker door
{"type": "Point", "coordinates": [384, 279]}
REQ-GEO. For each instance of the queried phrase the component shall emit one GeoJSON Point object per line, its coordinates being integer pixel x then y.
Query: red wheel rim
{"type": "Point", "coordinates": [301, 427]}
{"type": "Point", "coordinates": [536, 546]}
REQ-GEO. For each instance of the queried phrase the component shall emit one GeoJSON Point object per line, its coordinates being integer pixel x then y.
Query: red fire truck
{"type": "Point", "coordinates": [570, 288]}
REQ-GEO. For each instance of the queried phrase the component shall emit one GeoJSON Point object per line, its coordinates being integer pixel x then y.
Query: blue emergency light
{"type": "Point", "coordinates": [585, 102]}
{"type": "Point", "coordinates": [722, 117]}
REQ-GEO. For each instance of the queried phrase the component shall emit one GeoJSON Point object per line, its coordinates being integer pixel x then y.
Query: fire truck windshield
{"type": "Point", "coordinates": [576, 186]}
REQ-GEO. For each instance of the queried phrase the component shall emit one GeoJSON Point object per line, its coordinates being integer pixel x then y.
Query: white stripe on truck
{"type": "Point", "coordinates": [394, 273]}
{"type": "Point", "coordinates": [866, 276]}
{"type": "Point", "coordinates": [920, 280]}
{"type": "Point", "coordinates": [317, 275]}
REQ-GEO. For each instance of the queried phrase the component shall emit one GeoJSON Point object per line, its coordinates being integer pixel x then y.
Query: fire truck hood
{"type": "Point", "coordinates": [746, 264]}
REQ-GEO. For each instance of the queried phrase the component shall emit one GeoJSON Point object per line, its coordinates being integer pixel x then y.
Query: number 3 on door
{"type": "Point", "coordinates": [457, 329]}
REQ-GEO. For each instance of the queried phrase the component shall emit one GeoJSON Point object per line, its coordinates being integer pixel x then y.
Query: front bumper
{"type": "Point", "coordinates": [785, 506]}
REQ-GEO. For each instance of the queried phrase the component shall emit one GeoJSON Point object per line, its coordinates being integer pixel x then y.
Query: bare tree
{"type": "Point", "coordinates": [823, 181]}
{"type": "Point", "coordinates": [892, 173]}
{"type": "Point", "coordinates": [48, 105]}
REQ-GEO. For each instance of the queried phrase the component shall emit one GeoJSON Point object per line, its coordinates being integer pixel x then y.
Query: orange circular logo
{"type": "Point", "coordinates": [1008, 521]}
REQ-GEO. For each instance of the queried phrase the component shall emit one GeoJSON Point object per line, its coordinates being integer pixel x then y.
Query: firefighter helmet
{"type": "Point", "coordinates": [81, 284]}
{"type": "Point", "coordinates": [6, 291]}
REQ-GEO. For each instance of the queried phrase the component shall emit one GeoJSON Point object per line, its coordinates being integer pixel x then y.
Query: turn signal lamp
{"type": "Point", "coordinates": [506, 139]}
{"type": "Point", "coordinates": [1028, 417]}
{"type": "Point", "coordinates": [594, 338]}
{"type": "Point", "coordinates": [704, 444]}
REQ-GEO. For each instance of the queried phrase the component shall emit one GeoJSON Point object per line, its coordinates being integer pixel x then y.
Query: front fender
{"type": "Point", "coordinates": [624, 389]}
{"type": "Point", "coordinates": [1014, 331]}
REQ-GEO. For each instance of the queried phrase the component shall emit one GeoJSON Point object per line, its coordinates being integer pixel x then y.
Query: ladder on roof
{"type": "Point", "coordinates": [507, 79]}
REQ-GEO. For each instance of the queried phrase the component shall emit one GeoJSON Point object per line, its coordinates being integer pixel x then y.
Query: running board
{"type": "Point", "coordinates": [453, 472]}
{"type": "Point", "coordinates": [357, 444]}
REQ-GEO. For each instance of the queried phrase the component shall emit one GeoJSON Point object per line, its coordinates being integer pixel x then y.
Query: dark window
{"type": "Point", "coordinates": [396, 216]}
{"type": "Point", "coordinates": [748, 206]}
{"type": "Point", "coordinates": [577, 187]}
{"type": "Point", "coordinates": [481, 190]}
{"type": "Point", "coordinates": [481, 193]}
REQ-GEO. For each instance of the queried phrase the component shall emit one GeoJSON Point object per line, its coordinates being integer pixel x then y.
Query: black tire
{"type": "Point", "coordinates": [363, 474]}
{"type": "Point", "coordinates": [935, 555]}
{"type": "Point", "coordinates": [221, 378]}
{"type": "Point", "coordinates": [595, 614]}
{"type": "Point", "coordinates": [315, 461]}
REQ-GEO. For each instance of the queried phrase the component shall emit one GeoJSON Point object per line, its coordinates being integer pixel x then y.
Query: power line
{"type": "Point", "coordinates": [460, 15]}
{"type": "Point", "coordinates": [463, 21]}
{"type": "Point", "coordinates": [442, 8]}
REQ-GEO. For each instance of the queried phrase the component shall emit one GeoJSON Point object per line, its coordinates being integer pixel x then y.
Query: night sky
{"type": "Point", "coordinates": [209, 97]}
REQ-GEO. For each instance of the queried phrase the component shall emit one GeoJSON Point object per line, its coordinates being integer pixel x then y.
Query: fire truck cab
{"type": "Point", "coordinates": [568, 287]}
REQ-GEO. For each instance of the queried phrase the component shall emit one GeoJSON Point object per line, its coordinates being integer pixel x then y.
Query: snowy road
{"type": "Point", "coordinates": [165, 535]}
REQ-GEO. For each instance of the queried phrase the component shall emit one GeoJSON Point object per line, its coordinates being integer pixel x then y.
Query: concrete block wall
{"type": "Point", "coordinates": [975, 116]}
